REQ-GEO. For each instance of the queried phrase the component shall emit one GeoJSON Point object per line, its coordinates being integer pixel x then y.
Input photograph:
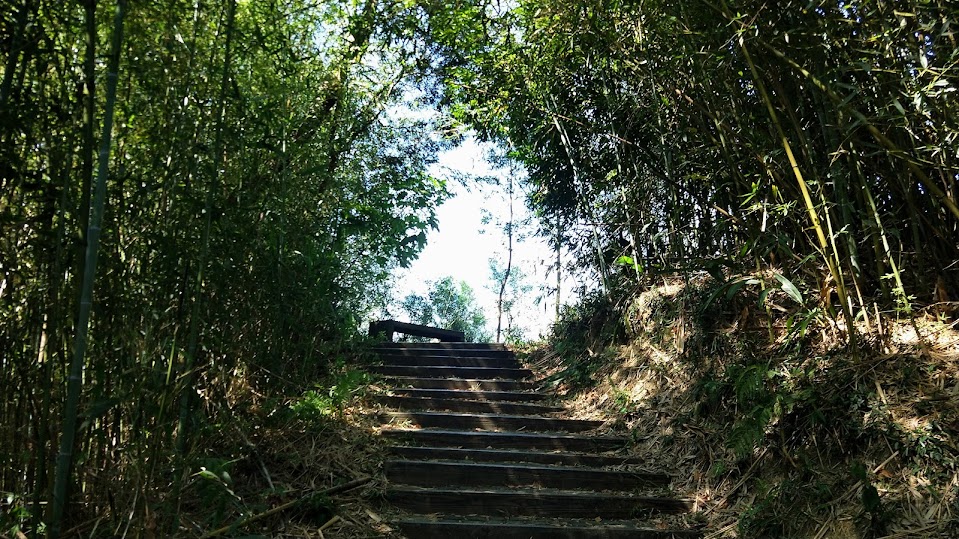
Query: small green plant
{"type": "Point", "coordinates": [623, 402]}
{"type": "Point", "coordinates": [14, 515]}
{"type": "Point", "coordinates": [214, 485]}
{"type": "Point", "coordinates": [757, 399]}
{"type": "Point", "coordinates": [332, 395]}
{"type": "Point", "coordinates": [871, 502]}
{"type": "Point", "coordinates": [766, 517]}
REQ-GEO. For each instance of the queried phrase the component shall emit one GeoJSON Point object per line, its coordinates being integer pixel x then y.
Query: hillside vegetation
{"type": "Point", "coordinates": [760, 203]}
{"type": "Point", "coordinates": [776, 427]}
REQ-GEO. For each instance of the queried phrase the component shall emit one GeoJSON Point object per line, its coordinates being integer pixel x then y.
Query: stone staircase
{"type": "Point", "coordinates": [479, 452]}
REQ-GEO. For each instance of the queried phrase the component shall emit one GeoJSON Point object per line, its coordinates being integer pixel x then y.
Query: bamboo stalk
{"type": "Point", "coordinates": [832, 258]}
{"type": "Point", "coordinates": [882, 139]}
{"type": "Point", "coordinates": [193, 338]}
{"type": "Point", "coordinates": [75, 383]}
{"type": "Point", "coordinates": [194, 332]}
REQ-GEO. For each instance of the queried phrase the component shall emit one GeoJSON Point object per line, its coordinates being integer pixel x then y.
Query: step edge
{"type": "Point", "coordinates": [539, 467]}
{"type": "Point", "coordinates": [546, 408]}
{"type": "Point", "coordinates": [618, 495]}
{"type": "Point", "coordinates": [597, 422]}
{"type": "Point", "coordinates": [494, 434]}
{"type": "Point", "coordinates": [559, 523]}
{"type": "Point", "coordinates": [508, 452]}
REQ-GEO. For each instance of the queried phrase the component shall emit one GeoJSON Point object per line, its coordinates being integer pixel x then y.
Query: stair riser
{"type": "Point", "coordinates": [526, 503]}
{"type": "Point", "coordinates": [499, 396]}
{"type": "Point", "coordinates": [462, 352]}
{"type": "Point", "coordinates": [440, 346]}
{"type": "Point", "coordinates": [481, 440]}
{"type": "Point", "coordinates": [442, 361]}
{"type": "Point", "coordinates": [448, 474]}
{"type": "Point", "coordinates": [459, 405]}
{"type": "Point", "coordinates": [503, 423]}
{"type": "Point", "coordinates": [492, 456]}
{"type": "Point", "coordinates": [477, 373]}
{"type": "Point", "coordinates": [469, 385]}
{"type": "Point", "coordinates": [482, 530]}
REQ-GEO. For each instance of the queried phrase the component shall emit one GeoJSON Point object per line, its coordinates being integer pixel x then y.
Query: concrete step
{"type": "Point", "coordinates": [487, 446]}
{"type": "Point", "coordinates": [506, 455]}
{"type": "Point", "coordinates": [441, 346]}
{"type": "Point", "coordinates": [479, 373]}
{"type": "Point", "coordinates": [462, 405]}
{"type": "Point", "coordinates": [448, 352]}
{"type": "Point", "coordinates": [470, 474]}
{"type": "Point", "coordinates": [494, 528]}
{"type": "Point", "coordinates": [531, 502]}
{"type": "Point", "coordinates": [499, 396]}
{"type": "Point", "coordinates": [494, 422]}
{"type": "Point", "coordinates": [506, 440]}
{"type": "Point", "coordinates": [466, 384]}
{"type": "Point", "coordinates": [450, 361]}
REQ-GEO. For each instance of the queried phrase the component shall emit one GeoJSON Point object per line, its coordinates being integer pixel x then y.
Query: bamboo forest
{"type": "Point", "coordinates": [753, 210]}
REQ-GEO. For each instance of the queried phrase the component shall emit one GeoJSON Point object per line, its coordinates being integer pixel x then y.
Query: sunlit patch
{"type": "Point", "coordinates": [686, 379]}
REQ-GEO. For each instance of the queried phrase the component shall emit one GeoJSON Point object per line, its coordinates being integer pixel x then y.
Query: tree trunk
{"type": "Point", "coordinates": [74, 387]}
{"type": "Point", "coordinates": [509, 262]}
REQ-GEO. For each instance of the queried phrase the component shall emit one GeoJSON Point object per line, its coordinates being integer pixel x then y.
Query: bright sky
{"type": "Point", "coordinates": [461, 249]}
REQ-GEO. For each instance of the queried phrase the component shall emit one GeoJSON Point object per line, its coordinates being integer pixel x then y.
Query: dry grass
{"type": "Point", "coordinates": [279, 462]}
{"type": "Point", "coordinates": [894, 409]}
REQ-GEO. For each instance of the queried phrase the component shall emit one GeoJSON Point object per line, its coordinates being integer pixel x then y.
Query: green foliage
{"type": "Point", "coordinates": [449, 305]}
{"type": "Point", "coordinates": [259, 194]}
{"type": "Point", "coordinates": [623, 402]}
{"type": "Point", "coordinates": [582, 337]}
{"type": "Point", "coordinates": [675, 137]}
{"type": "Point", "coordinates": [870, 496]}
{"type": "Point", "coordinates": [772, 289]}
{"type": "Point", "coordinates": [763, 518]}
{"type": "Point", "coordinates": [871, 502]}
{"type": "Point", "coordinates": [16, 515]}
{"type": "Point", "coordinates": [331, 396]}
{"type": "Point", "coordinates": [214, 486]}
{"type": "Point", "coordinates": [756, 401]}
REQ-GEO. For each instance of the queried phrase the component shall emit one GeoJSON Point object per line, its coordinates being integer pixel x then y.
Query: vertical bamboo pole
{"type": "Point", "coordinates": [509, 261]}
{"type": "Point", "coordinates": [186, 399]}
{"type": "Point", "coordinates": [559, 265]}
{"type": "Point", "coordinates": [827, 246]}
{"type": "Point", "coordinates": [88, 140]}
{"type": "Point", "coordinates": [75, 380]}
{"type": "Point", "coordinates": [10, 68]}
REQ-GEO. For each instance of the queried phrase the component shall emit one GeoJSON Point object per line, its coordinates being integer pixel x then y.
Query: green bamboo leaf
{"type": "Point", "coordinates": [763, 295]}
{"type": "Point", "coordinates": [789, 288]}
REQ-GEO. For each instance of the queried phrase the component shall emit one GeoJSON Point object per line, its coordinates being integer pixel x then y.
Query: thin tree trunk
{"type": "Point", "coordinates": [559, 266]}
{"type": "Point", "coordinates": [186, 399]}
{"type": "Point", "coordinates": [89, 118]}
{"type": "Point", "coordinates": [74, 387]}
{"type": "Point", "coordinates": [6, 85]}
{"type": "Point", "coordinates": [509, 262]}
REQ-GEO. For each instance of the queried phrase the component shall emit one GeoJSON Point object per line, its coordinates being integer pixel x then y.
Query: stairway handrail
{"type": "Point", "coordinates": [388, 327]}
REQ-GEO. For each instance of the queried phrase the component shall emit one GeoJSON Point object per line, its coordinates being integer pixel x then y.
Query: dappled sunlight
{"type": "Point", "coordinates": [690, 386]}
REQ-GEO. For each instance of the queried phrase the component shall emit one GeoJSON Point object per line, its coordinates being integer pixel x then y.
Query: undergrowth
{"type": "Point", "coordinates": [746, 387]}
{"type": "Point", "coordinates": [259, 468]}
{"type": "Point", "coordinates": [285, 451]}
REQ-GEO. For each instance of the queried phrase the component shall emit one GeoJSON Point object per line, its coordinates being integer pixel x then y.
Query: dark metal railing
{"type": "Point", "coordinates": [387, 328]}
